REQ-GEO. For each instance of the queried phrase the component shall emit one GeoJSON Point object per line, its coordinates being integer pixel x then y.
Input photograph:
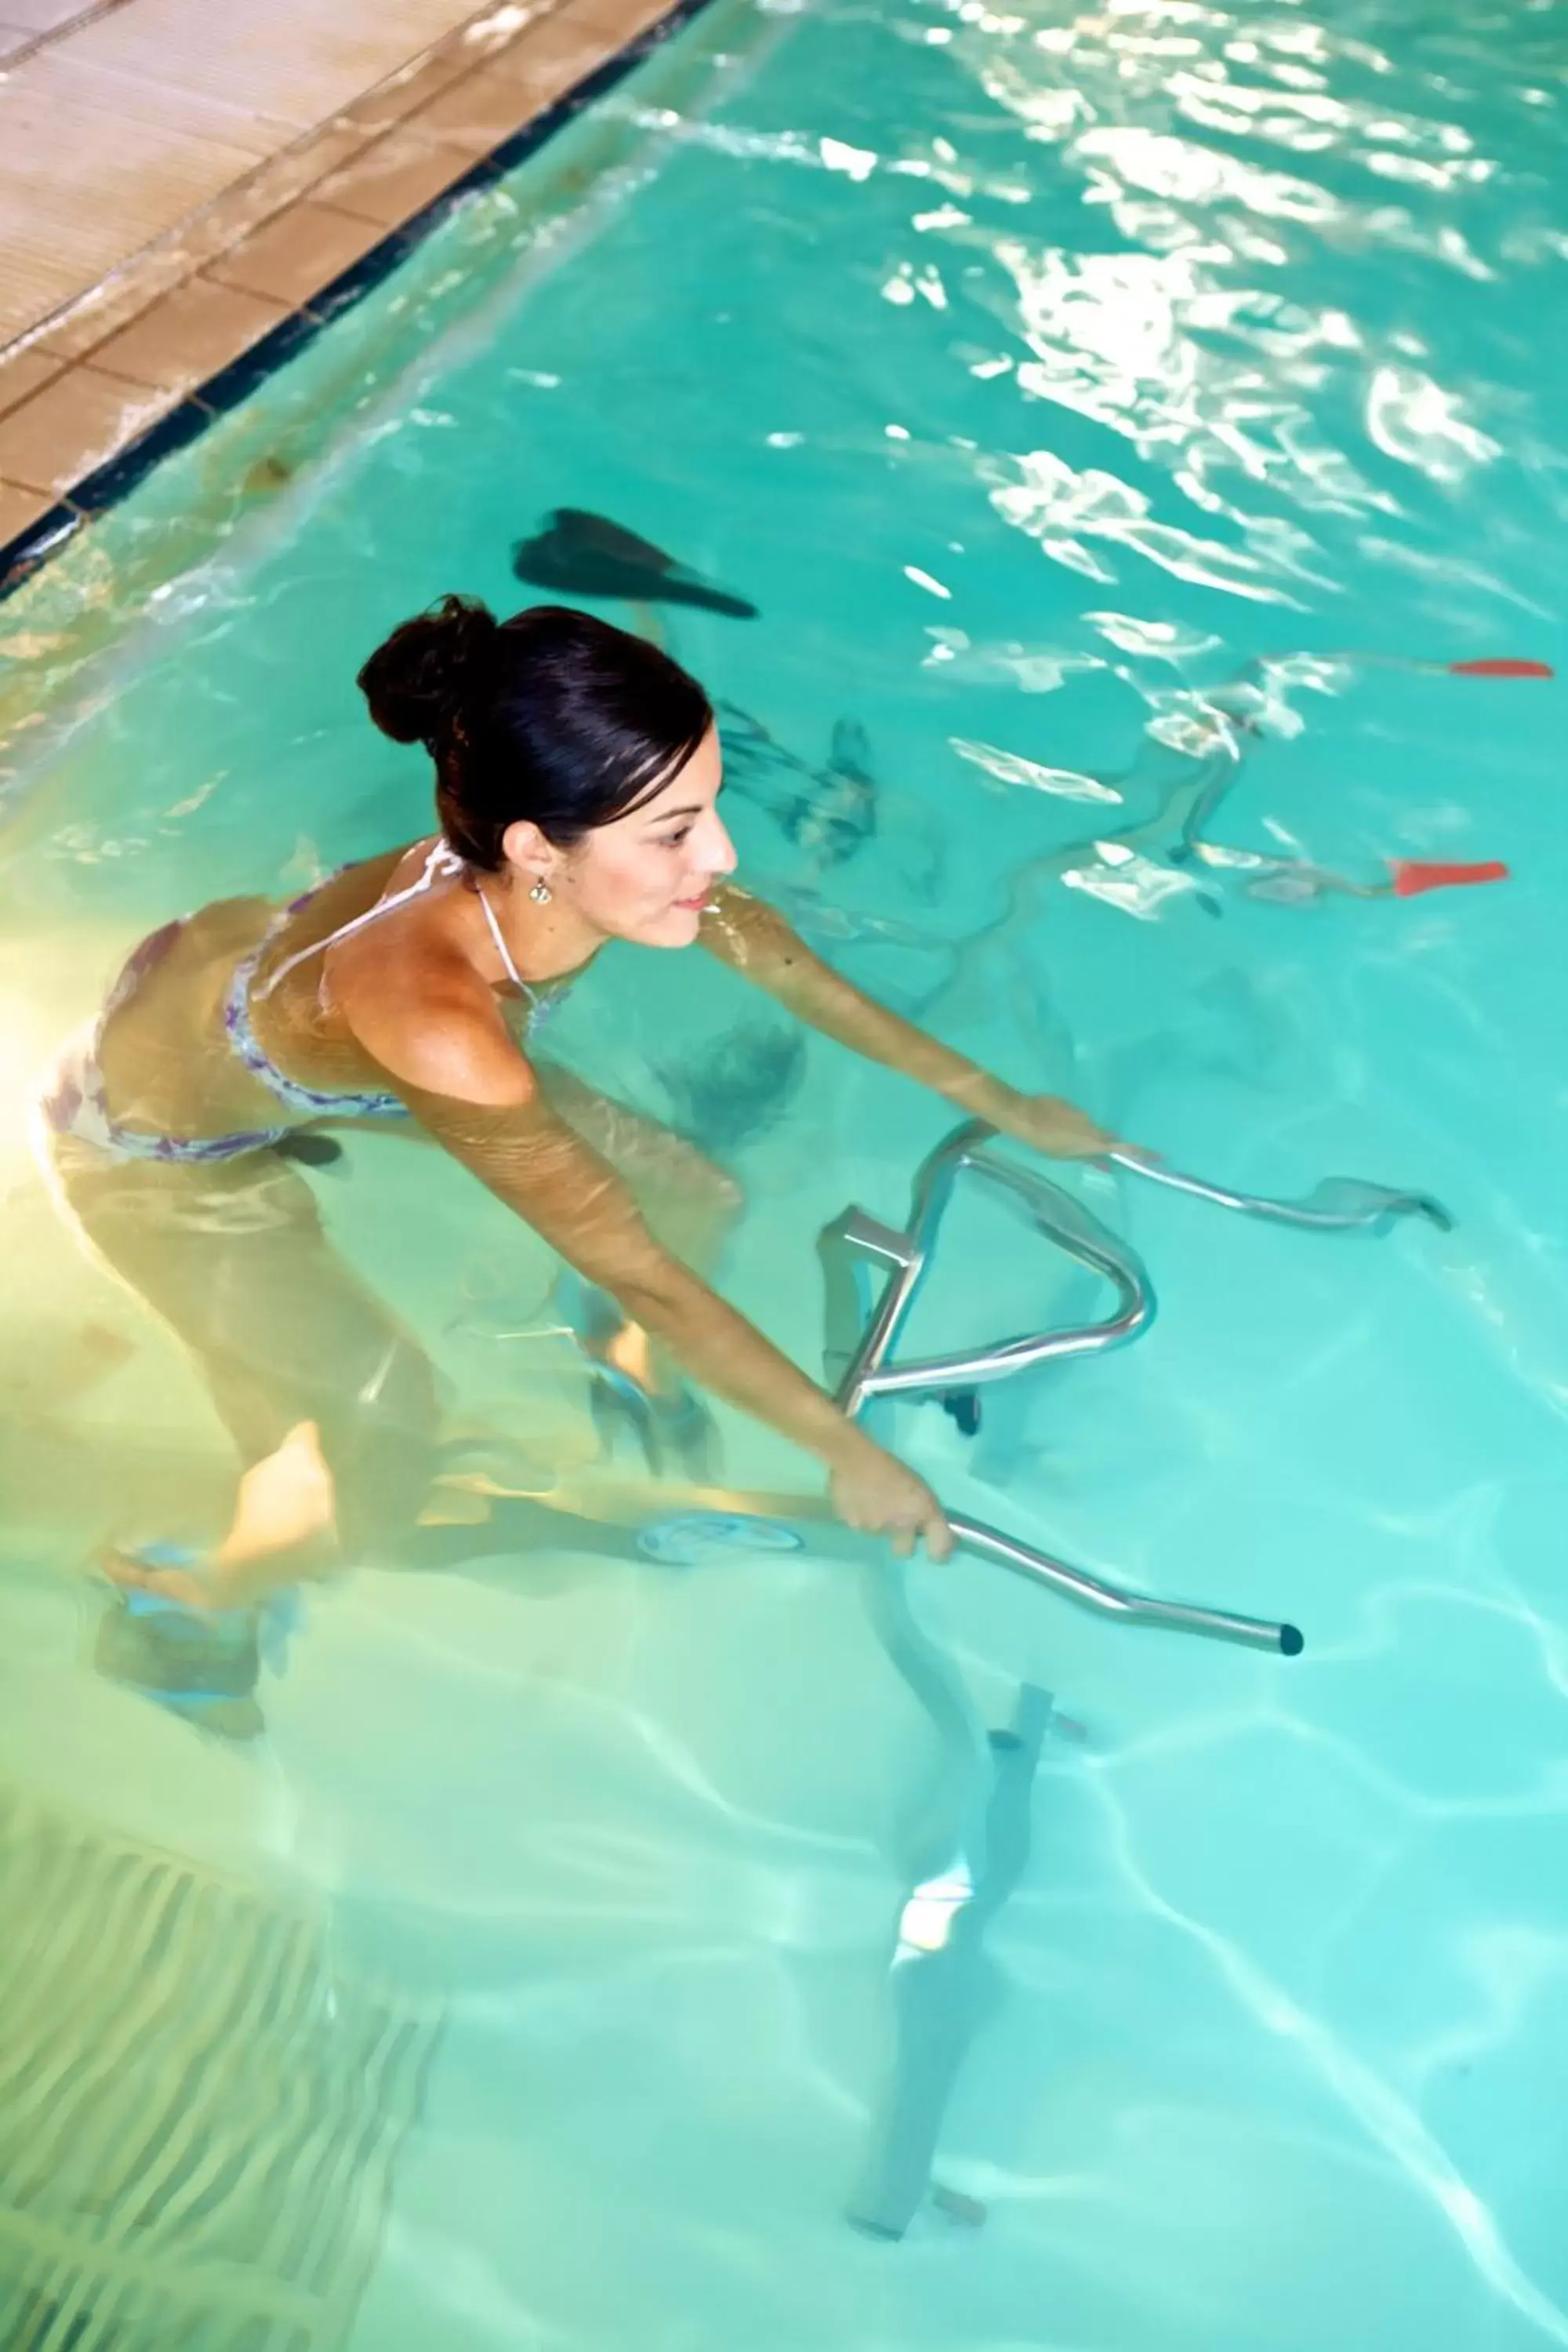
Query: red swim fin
{"type": "Point", "coordinates": [1503, 668]}
{"type": "Point", "coordinates": [1411, 875]}
{"type": "Point", "coordinates": [1494, 665]}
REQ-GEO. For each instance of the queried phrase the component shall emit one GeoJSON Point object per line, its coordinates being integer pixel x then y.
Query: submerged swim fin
{"type": "Point", "coordinates": [586, 554]}
{"type": "Point", "coordinates": [1409, 876]}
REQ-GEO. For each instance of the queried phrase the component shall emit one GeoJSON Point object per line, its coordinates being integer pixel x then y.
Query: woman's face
{"type": "Point", "coordinates": [648, 875]}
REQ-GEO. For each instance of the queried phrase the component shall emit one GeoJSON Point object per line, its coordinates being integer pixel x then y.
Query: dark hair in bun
{"type": "Point", "coordinates": [552, 716]}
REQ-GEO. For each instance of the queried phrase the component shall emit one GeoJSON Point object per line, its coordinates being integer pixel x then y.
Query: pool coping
{"type": "Point", "coordinates": [184, 414]}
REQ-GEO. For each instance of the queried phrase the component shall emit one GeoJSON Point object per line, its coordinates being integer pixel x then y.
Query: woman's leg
{"type": "Point", "coordinates": [330, 1401]}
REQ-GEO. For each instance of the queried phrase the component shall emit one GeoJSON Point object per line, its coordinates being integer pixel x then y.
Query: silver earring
{"type": "Point", "coordinates": [540, 894]}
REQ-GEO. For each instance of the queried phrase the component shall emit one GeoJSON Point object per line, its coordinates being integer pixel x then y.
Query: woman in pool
{"type": "Point", "coordinates": [577, 779]}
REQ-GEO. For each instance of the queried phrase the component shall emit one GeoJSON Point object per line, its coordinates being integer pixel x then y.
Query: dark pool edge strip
{"type": "Point", "coordinates": [24, 556]}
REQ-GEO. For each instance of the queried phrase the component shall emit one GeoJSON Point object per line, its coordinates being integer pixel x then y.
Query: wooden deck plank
{"type": "Point", "coordinates": [60, 76]}
{"type": "Point", "coordinates": [300, 59]}
{"type": "Point", "coordinates": [129, 118]}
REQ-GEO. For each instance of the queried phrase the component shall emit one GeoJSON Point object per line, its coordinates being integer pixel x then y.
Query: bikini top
{"type": "Point", "coordinates": [442, 864]}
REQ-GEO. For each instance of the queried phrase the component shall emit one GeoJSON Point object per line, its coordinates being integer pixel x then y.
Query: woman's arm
{"type": "Point", "coordinates": [754, 938]}
{"type": "Point", "coordinates": [465, 1081]}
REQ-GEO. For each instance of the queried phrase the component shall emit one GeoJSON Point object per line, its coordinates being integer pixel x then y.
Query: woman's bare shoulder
{"type": "Point", "coordinates": [427, 1019]}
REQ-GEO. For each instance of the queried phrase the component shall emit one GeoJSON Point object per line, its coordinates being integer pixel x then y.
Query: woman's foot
{"type": "Point", "coordinates": [282, 1529]}
{"type": "Point", "coordinates": [284, 1517]}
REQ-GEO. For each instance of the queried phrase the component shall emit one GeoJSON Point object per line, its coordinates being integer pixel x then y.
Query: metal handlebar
{"type": "Point", "coordinates": [1113, 1601]}
{"type": "Point", "coordinates": [859, 1364]}
{"type": "Point", "coordinates": [860, 1334]}
{"type": "Point", "coordinates": [1340, 1204]}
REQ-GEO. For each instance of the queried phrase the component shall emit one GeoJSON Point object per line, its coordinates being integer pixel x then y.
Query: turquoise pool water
{"type": "Point", "coordinates": [1040, 376]}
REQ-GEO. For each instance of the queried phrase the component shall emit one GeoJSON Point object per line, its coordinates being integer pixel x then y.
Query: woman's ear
{"type": "Point", "coordinates": [527, 852]}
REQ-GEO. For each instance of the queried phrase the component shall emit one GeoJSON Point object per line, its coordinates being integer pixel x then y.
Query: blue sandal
{"type": "Point", "coordinates": [200, 1664]}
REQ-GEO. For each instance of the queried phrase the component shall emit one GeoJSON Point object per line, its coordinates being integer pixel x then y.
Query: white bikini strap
{"type": "Point", "coordinates": [502, 947]}
{"type": "Point", "coordinates": [441, 863]}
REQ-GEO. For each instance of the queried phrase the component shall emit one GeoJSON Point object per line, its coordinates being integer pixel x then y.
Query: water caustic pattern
{"type": "Point", "coordinates": [1121, 422]}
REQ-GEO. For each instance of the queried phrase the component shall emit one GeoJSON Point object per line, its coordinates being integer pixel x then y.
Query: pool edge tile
{"type": "Point", "coordinates": [402, 158]}
{"type": "Point", "coordinates": [31, 547]}
{"type": "Point", "coordinates": [475, 114]}
{"type": "Point", "coordinates": [280, 260]}
{"type": "Point", "coordinates": [389, 104]}
{"type": "Point", "coordinates": [249, 369]}
{"type": "Point", "coordinates": [108, 483]}
{"type": "Point", "coordinates": [189, 335]}
{"type": "Point", "coordinates": [75, 423]}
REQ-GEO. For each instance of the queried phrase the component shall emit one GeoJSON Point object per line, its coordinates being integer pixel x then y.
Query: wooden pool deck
{"type": "Point", "coordinates": [177, 177]}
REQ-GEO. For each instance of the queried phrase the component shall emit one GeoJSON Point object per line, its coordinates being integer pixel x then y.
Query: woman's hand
{"type": "Point", "coordinates": [873, 1491]}
{"type": "Point", "coordinates": [1047, 1124]}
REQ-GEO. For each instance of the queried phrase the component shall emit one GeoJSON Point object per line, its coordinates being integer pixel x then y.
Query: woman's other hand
{"type": "Point", "coordinates": [878, 1495]}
